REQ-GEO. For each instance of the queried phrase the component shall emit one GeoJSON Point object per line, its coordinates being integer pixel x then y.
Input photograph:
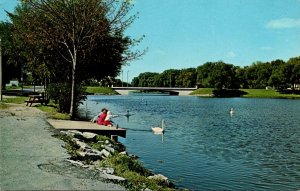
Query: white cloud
{"type": "Point", "coordinates": [231, 54]}
{"type": "Point", "coordinates": [283, 23]}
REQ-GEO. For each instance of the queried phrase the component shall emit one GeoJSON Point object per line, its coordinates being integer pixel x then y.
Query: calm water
{"type": "Point", "coordinates": [206, 148]}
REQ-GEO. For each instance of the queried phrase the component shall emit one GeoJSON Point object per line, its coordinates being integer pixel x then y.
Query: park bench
{"type": "Point", "coordinates": [36, 99]}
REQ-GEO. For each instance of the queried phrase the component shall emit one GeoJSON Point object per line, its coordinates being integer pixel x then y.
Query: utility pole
{"type": "Point", "coordinates": [0, 70]}
{"type": "Point", "coordinates": [122, 78]}
{"type": "Point", "coordinates": [127, 77]}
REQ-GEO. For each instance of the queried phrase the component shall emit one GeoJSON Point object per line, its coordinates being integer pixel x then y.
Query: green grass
{"type": "Point", "coordinates": [100, 90]}
{"type": "Point", "coordinates": [262, 93]}
{"type": "Point", "coordinates": [203, 92]}
{"type": "Point", "coordinates": [250, 93]}
{"type": "Point", "coordinates": [16, 100]}
{"type": "Point", "coordinates": [16, 87]}
{"type": "Point", "coordinates": [3, 105]}
{"type": "Point", "coordinates": [125, 166]}
{"type": "Point", "coordinates": [51, 109]}
{"type": "Point", "coordinates": [133, 171]}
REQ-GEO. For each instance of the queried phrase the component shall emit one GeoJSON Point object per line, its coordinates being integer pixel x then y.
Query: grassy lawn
{"type": "Point", "coordinates": [16, 87]}
{"type": "Point", "coordinates": [51, 108]}
{"type": "Point", "coordinates": [250, 93]}
{"type": "Point", "coordinates": [203, 92]}
{"type": "Point", "coordinates": [100, 90]}
{"type": "Point", "coordinates": [262, 93]}
{"type": "Point", "coordinates": [15, 99]}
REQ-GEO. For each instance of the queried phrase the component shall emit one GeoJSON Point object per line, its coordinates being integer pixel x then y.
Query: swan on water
{"type": "Point", "coordinates": [159, 129]}
{"type": "Point", "coordinates": [231, 111]}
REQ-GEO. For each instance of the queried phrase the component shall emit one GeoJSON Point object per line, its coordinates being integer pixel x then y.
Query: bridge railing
{"type": "Point", "coordinates": [154, 88]}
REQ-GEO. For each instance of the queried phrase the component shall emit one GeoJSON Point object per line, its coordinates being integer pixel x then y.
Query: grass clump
{"type": "Point", "coordinates": [100, 90]}
{"type": "Point", "coordinates": [51, 109]}
{"type": "Point", "coordinates": [3, 106]}
{"type": "Point", "coordinates": [134, 172]}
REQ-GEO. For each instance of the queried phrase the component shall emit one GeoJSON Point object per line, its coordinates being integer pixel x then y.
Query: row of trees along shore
{"type": "Point", "coordinates": [219, 75]}
{"type": "Point", "coordinates": [63, 43]}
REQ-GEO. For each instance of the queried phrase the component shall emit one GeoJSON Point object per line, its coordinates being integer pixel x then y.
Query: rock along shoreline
{"type": "Point", "coordinates": [33, 159]}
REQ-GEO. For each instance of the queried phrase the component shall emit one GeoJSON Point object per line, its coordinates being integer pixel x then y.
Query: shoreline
{"type": "Point", "coordinates": [38, 156]}
{"type": "Point", "coordinates": [32, 159]}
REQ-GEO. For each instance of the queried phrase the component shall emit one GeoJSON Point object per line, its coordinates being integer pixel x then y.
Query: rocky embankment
{"type": "Point", "coordinates": [33, 159]}
{"type": "Point", "coordinates": [92, 151]}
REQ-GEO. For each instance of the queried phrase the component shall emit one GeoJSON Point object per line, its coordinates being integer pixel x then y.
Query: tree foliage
{"type": "Point", "coordinates": [220, 75]}
{"type": "Point", "coordinates": [71, 41]}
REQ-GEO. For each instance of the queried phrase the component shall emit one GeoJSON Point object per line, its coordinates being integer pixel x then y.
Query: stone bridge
{"type": "Point", "coordinates": [171, 91]}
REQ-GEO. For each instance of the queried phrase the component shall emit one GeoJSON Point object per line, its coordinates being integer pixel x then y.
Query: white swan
{"type": "Point", "coordinates": [159, 130]}
{"type": "Point", "coordinates": [231, 111]}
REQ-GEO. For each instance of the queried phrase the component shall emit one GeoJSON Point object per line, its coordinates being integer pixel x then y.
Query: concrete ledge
{"type": "Point", "coordinates": [86, 126]}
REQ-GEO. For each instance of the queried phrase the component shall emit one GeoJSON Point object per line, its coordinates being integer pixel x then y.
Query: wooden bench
{"type": "Point", "coordinates": [36, 99]}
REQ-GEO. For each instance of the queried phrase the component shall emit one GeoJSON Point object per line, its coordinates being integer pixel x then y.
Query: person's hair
{"type": "Point", "coordinates": [103, 109]}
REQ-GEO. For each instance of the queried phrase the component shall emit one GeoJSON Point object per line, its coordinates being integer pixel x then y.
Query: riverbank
{"type": "Point", "coordinates": [249, 93]}
{"type": "Point", "coordinates": [32, 159]}
{"type": "Point", "coordinates": [34, 156]}
{"type": "Point", "coordinates": [208, 92]}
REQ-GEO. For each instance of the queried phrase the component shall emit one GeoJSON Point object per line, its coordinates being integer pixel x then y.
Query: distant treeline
{"type": "Point", "coordinates": [219, 75]}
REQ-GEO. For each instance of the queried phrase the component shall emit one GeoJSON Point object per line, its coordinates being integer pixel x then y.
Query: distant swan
{"type": "Point", "coordinates": [127, 114]}
{"type": "Point", "coordinates": [231, 111]}
{"type": "Point", "coordinates": [159, 130]}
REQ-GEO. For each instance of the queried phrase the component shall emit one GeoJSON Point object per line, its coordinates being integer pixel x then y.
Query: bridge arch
{"type": "Point", "coordinates": [172, 91]}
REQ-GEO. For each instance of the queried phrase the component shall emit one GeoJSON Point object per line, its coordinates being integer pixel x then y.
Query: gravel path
{"type": "Point", "coordinates": [31, 159]}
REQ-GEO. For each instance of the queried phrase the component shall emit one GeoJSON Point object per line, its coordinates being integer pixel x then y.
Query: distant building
{"type": "Point", "coordinates": [269, 88]}
{"type": "Point", "coordinates": [13, 83]}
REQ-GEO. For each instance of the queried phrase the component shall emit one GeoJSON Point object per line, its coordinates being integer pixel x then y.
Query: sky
{"type": "Point", "coordinates": [188, 33]}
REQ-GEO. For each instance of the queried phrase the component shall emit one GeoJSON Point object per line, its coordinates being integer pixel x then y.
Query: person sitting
{"type": "Point", "coordinates": [102, 117]}
{"type": "Point", "coordinates": [107, 120]}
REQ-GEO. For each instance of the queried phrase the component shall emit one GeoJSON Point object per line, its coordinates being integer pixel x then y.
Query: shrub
{"type": "Point", "coordinates": [61, 94]}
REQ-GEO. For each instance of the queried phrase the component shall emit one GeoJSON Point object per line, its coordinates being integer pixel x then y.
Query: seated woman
{"type": "Point", "coordinates": [107, 120]}
{"type": "Point", "coordinates": [102, 117]}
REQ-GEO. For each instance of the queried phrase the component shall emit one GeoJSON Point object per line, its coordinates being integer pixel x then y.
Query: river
{"type": "Point", "coordinates": [207, 148]}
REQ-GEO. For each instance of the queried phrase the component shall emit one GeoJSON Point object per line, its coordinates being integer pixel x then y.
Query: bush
{"type": "Point", "coordinates": [228, 93]}
{"type": "Point", "coordinates": [61, 94]}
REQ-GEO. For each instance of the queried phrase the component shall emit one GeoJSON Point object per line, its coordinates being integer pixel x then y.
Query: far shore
{"type": "Point", "coordinates": [251, 93]}
{"type": "Point", "coordinates": [201, 92]}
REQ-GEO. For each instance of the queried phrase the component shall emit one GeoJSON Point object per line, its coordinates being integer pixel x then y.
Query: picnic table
{"type": "Point", "coordinates": [36, 99]}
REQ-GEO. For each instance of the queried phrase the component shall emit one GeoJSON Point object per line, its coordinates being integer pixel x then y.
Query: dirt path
{"type": "Point", "coordinates": [31, 159]}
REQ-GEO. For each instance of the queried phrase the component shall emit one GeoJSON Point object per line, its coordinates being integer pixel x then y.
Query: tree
{"type": "Point", "coordinates": [203, 73]}
{"type": "Point", "coordinates": [146, 79]}
{"type": "Point", "coordinates": [218, 75]}
{"type": "Point", "coordinates": [168, 78]}
{"type": "Point", "coordinates": [76, 40]}
{"type": "Point", "coordinates": [12, 68]}
{"type": "Point", "coordinates": [293, 74]}
{"type": "Point", "coordinates": [187, 78]}
{"type": "Point", "coordinates": [277, 78]}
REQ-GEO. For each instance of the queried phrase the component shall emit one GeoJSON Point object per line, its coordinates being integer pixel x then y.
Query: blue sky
{"type": "Point", "coordinates": [187, 33]}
